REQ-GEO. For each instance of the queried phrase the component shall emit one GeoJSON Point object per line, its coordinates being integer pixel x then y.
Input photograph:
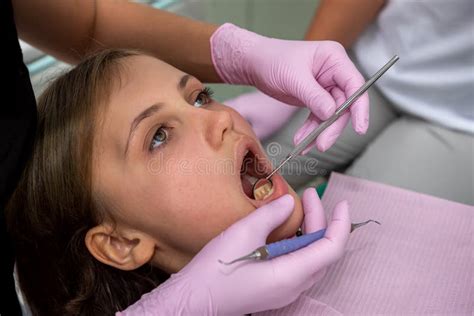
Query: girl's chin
{"type": "Point", "coordinates": [289, 228]}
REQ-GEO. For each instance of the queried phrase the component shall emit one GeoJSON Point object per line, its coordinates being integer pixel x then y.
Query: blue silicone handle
{"type": "Point", "coordinates": [289, 245]}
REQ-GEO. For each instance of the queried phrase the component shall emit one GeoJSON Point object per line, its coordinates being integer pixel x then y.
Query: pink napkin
{"type": "Point", "coordinates": [418, 262]}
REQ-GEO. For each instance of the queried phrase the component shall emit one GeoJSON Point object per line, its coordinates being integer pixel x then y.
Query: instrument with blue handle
{"type": "Point", "coordinates": [283, 247]}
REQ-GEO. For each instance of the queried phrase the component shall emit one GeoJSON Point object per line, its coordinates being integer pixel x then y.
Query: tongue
{"type": "Point", "coordinates": [247, 185]}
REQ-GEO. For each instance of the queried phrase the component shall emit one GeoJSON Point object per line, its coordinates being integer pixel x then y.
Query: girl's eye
{"type": "Point", "coordinates": [204, 97]}
{"type": "Point", "coordinates": [159, 138]}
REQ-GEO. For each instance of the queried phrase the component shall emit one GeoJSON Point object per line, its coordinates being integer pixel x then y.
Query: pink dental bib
{"type": "Point", "coordinates": [418, 262]}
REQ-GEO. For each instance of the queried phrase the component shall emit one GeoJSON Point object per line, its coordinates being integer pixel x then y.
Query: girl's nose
{"type": "Point", "coordinates": [218, 123]}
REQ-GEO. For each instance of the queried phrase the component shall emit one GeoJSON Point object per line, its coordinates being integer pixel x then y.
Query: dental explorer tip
{"type": "Point", "coordinates": [233, 261]}
{"type": "Point", "coordinates": [357, 225]}
{"type": "Point", "coordinates": [254, 255]}
{"type": "Point", "coordinates": [236, 260]}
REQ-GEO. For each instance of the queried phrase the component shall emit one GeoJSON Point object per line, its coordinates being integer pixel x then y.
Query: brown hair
{"type": "Point", "coordinates": [53, 208]}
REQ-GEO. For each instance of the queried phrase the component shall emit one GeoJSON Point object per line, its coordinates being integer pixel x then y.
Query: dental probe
{"type": "Point", "coordinates": [339, 112]}
{"type": "Point", "coordinates": [283, 247]}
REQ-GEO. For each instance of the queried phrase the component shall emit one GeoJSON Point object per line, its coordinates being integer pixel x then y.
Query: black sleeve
{"type": "Point", "coordinates": [17, 130]}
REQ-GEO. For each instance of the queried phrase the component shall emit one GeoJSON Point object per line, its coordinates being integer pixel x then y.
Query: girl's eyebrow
{"type": "Point", "coordinates": [140, 117]}
{"type": "Point", "coordinates": [183, 81]}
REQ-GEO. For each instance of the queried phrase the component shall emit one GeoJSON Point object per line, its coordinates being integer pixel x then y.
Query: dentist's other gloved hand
{"type": "Point", "coordinates": [266, 115]}
{"type": "Point", "coordinates": [206, 287]}
{"type": "Point", "coordinates": [303, 73]}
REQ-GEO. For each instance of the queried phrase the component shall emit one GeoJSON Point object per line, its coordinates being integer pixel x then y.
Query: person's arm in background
{"type": "Point", "coordinates": [70, 29]}
{"type": "Point", "coordinates": [300, 73]}
{"type": "Point", "coordinates": [342, 20]}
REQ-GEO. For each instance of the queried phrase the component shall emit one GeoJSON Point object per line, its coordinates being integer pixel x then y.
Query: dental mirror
{"type": "Point", "coordinates": [262, 188]}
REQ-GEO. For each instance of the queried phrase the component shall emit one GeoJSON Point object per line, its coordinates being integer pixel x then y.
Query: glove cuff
{"type": "Point", "coordinates": [230, 47]}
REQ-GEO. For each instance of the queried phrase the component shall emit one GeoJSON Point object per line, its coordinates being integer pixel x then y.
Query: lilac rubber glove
{"type": "Point", "coordinates": [303, 73]}
{"type": "Point", "coordinates": [329, 136]}
{"type": "Point", "coordinates": [266, 115]}
{"type": "Point", "coordinates": [206, 287]}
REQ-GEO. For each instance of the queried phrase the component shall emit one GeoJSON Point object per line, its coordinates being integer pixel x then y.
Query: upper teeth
{"type": "Point", "coordinates": [246, 152]}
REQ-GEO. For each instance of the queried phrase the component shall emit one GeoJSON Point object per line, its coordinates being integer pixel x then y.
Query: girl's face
{"type": "Point", "coordinates": [168, 160]}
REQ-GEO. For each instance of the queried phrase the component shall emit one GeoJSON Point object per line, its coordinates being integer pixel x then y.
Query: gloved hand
{"type": "Point", "coordinates": [302, 73]}
{"type": "Point", "coordinates": [206, 287]}
{"type": "Point", "coordinates": [266, 115]}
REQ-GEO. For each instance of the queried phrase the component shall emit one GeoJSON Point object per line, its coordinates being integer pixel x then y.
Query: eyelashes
{"type": "Point", "coordinates": [163, 133]}
{"type": "Point", "coordinates": [159, 138]}
{"type": "Point", "coordinates": [204, 97]}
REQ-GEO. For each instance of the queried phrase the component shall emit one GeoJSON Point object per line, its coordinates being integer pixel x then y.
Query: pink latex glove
{"type": "Point", "coordinates": [303, 73]}
{"type": "Point", "coordinates": [266, 115]}
{"type": "Point", "coordinates": [206, 287]}
{"type": "Point", "coordinates": [329, 136]}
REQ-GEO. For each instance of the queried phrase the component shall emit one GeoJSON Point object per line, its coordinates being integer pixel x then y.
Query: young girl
{"type": "Point", "coordinates": [135, 169]}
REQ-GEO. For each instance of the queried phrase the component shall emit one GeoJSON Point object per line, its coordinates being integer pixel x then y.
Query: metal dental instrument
{"type": "Point", "coordinates": [283, 247]}
{"type": "Point", "coordinates": [339, 112]}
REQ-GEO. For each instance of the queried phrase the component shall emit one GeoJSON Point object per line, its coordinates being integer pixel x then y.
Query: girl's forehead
{"type": "Point", "coordinates": [143, 66]}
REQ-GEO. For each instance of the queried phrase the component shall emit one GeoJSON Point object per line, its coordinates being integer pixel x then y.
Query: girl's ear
{"type": "Point", "coordinates": [123, 248]}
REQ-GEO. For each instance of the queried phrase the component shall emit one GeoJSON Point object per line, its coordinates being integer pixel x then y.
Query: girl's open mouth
{"type": "Point", "coordinates": [250, 172]}
{"type": "Point", "coordinates": [254, 165]}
